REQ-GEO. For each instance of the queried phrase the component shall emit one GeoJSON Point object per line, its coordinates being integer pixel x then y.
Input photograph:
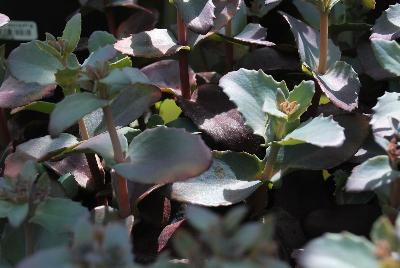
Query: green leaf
{"type": "Point", "coordinates": [71, 109]}
{"type": "Point", "coordinates": [260, 8]}
{"type": "Point", "coordinates": [68, 80]}
{"type": "Point", "coordinates": [302, 94]}
{"type": "Point", "coordinates": [370, 4]}
{"type": "Point", "coordinates": [100, 39]}
{"type": "Point", "coordinates": [198, 15]}
{"type": "Point", "coordinates": [372, 174]}
{"type": "Point", "coordinates": [115, 237]}
{"type": "Point", "coordinates": [16, 213]}
{"type": "Point", "coordinates": [150, 44]}
{"type": "Point", "coordinates": [387, 107]}
{"type": "Point", "coordinates": [130, 104]}
{"type": "Point", "coordinates": [252, 34]}
{"type": "Point", "coordinates": [37, 106]}
{"type": "Point", "coordinates": [45, 147]}
{"type": "Point", "coordinates": [49, 258]}
{"type": "Point", "coordinates": [160, 155]}
{"type": "Point", "coordinates": [339, 250]}
{"type": "Point", "coordinates": [202, 219]}
{"type": "Point", "coordinates": [246, 167]}
{"type": "Point", "coordinates": [220, 185]}
{"type": "Point", "coordinates": [122, 63]}
{"type": "Point", "coordinates": [101, 144]}
{"type": "Point", "coordinates": [72, 33]}
{"type": "Point", "coordinates": [307, 39]}
{"type": "Point", "coordinates": [388, 54]}
{"type": "Point", "coordinates": [255, 94]}
{"type": "Point", "coordinates": [320, 131]}
{"type": "Point", "coordinates": [100, 56]}
{"type": "Point", "coordinates": [324, 6]}
{"type": "Point", "coordinates": [120, 79]}
{"type": "Point", "coordinates": [169, 111]}
{"type": "Point", "coordinates": [58, 215]}
{"type": "Point", "coordinates": [383, 230]}
{"type": "Point", "coordinates": [341, 85]}
{"type": "Point", "coordinates": [30, 64]}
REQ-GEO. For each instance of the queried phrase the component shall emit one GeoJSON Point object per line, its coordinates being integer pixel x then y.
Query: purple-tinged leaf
{"type": "Point", "coordinates": [307, 39]}
{"type": "Point", "coordinates": [341, 85]}
{"type": "Point", "coordinates": [218, 186]}
{"type": "Point", "coordinates": [167, 233]}
{"type": "Point", "coordinates": [14, 93]}
{"type": "Point", "coordinates": [225, 10]}
{"type": "Point", "coordinates": [4, 19]}
{"type": "Point", "coordinates": [100, 5]}
{"type": "Point", "coordinates": [139, 21]}
{"type": "Point", "coordinates": [165, 74]}
{"type": "Point", "coordinates": [269, 59]}
{"type": "Point", "coordinates": [243, 88]}
{"type": "Point", "coordinates": [387, 26]}
{"type": "Point", "coordinates": [217, 117]}
{"type": "Point", "coordinates": [198, 15]}
{"type": "Point", "coordinates": [76, 165]}
{"type": "Point", "coordinates": [162, 155]}
{"type": "Point", "coordinates": [150, 44]}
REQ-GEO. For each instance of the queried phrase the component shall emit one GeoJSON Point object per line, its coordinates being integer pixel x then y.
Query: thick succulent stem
{"type": "Point", "coordinates": [271, 159]}
{"type": "Point", "coordinates": [183, 58]}
{"type": "Point", "coordinates": [323, 60]}
{"type": "Point", "coordinates": [121, 183]}
{"type": "Point", "coordinates": [229, 49]}
{"type": "Point", "coordinates": [323, 46]}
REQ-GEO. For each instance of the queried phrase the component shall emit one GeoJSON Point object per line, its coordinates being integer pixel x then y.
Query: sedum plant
{"type": "Point", "coordinates": [194, 128]}
{"type": "Point", "coordinates": [348, 250]}
{"type": "Point", "coordinates": [223, 242]}
{"type": "Point", "coordinates": [273, 112]}
{"type": "Point", "coordinates": [107, 79]}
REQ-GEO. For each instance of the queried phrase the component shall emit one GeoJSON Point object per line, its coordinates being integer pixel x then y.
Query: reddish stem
{"type": "Point", "coordinates": [112, 25]}
{"type": "Point", "coordinates": [323, 46]}
{"type": "Point", "coordinates": [183, 58]}
{"type": "Point", "coordinates": [121, 183]}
